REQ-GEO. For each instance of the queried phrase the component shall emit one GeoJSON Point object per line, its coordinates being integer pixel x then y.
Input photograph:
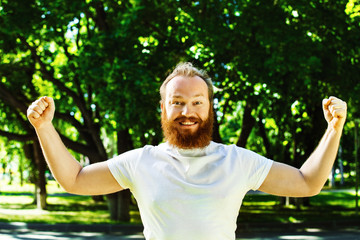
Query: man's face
{"type": "Point", "coordinates": [187, 117]}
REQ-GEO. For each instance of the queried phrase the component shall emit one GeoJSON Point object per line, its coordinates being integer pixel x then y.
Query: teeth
{"type": "Point", "coordinates": [188, 123]}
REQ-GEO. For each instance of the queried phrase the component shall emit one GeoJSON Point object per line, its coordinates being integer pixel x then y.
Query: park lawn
{"type": "Point", "coordinates": [16, 206]}
{"type": "Point", "coordinates": [328, 206]}
{"type": "Point", "coordinates": [61, 209]}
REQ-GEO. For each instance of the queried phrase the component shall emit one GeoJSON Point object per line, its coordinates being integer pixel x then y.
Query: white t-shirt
{"type": "Point", "coordinates": [189, 194]}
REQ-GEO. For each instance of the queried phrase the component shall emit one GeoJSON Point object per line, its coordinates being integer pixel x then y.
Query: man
{"type": "Point", "coordinates": [189, 187]}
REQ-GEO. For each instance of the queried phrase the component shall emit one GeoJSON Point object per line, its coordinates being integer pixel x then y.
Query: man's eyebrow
{"type": "Point", "coordinates": [179, 96]}
{"type": "Point", "coordinates": [176, 96]}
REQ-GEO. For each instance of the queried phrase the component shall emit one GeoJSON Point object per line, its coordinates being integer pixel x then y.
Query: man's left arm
{"type": "Point", "coordinates": [284, 180]}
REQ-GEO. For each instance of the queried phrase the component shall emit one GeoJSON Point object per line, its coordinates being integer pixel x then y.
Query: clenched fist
{"type": "Point", "coordinates": [335, 112]}
{"type": "Point", "coordinates": [41, 112]}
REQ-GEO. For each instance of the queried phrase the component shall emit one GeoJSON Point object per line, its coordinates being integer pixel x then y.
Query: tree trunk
{"type": "Point", "coordinates": [119, 202]}
{"type": "Point", "coordinates": [41, 180]}
{"type": "Point", "coordinates": [34, 153]}
{"type": "Point", "coordinates": [341, 166]}
{"type": "Point", "coordinates": [216, 133]}
{"type": "Point", "coordinates": [286, 201]}
{"type": "Point", "coordinates": [113, 205]}
{"type": "Point", "coordinates": [248, 123]}
{"type": "Point", "coordinates": [123, 202]}
{"type": "Point", "coordinates": [264, 137]}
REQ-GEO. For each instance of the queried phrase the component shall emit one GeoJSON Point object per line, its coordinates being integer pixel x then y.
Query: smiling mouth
{"type": "Point", "coordinates": [187, 123]}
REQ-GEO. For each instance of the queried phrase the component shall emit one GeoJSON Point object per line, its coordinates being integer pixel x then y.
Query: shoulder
{"type": "Point", "coordinates": [237, 153]}
{"type": "Point", "coordinates": [133, 158]}
{"type": "Point", "coordinates": [140, 152]}
{"type": "Point", "coordinates": [228, 149]}
{"type": "Point", "coordinates": [128, 156]}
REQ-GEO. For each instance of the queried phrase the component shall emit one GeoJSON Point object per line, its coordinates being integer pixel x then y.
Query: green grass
{"type": "Point", "coordinates": [327, 206]}
{"type": "Point", "coordinates": [16, 205]}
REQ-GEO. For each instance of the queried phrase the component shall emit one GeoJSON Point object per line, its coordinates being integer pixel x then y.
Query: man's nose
{"type": "Point", "coordinates": [188, 111]}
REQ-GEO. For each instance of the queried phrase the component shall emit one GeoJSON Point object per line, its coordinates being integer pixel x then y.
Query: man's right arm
{"type": "Point", "coordinates": [94, 179]}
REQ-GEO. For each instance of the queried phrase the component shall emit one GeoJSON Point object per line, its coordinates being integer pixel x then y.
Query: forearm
{"type": "Point", "coordinates": [318, 166]}
{"type": "Point", "coordinates": [61, 163]}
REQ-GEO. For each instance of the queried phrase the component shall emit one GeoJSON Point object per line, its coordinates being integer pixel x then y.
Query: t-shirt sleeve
{"type": "Point", "coordinates": [257, 167]}
{"type": "Point", "coordinates": [123, 166]}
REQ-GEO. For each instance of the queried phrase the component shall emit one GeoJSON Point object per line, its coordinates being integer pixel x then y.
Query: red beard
{"type": "Point", "coordinates": [186, 139]}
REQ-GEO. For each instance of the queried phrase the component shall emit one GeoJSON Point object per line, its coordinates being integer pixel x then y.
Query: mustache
{"type": "Point", "coordinates": [190, 119]}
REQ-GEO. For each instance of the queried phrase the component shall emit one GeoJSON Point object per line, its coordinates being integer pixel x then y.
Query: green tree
{"type": "Point", "coordinates": [103, 61]}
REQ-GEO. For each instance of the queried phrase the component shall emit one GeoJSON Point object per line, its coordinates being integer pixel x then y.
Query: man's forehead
{"type": "Point", "coordinates": [188, 86]}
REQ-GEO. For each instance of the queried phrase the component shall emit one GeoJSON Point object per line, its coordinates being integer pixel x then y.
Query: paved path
{"type": "Point", "coordinates": [350, 234]}
{"type": "Point", "coordinates": [48, 235]}
{"type": "Point", "coordinates": [34, 231]}
{"type": "Point", "coordinates": [52, 235]}
{"type": "Point", "coordinates": [22, 231]}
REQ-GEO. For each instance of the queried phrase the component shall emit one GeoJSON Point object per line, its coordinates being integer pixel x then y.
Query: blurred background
{"type": "Point", "coordinates": [272, 63]}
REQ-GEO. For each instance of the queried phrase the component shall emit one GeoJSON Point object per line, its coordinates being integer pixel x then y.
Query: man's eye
{"type": "Point", "coordinates": [197, 103]}
{"type": "Point", "coordinates": [177, 103]}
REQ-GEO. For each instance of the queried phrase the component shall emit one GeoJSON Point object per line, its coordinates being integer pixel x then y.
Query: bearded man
{"type": "Point", "coordinates": [189, 187]}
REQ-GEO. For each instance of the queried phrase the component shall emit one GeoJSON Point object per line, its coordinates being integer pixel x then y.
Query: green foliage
{"type": "Point", "coordinates": [103, 62]}
{"type": "Point", "coordinates": [353, 9]}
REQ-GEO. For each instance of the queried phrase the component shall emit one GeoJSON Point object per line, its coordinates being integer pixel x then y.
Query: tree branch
{"type": "Point", "coordinates": [101, 17]}
{"type": "Point", "coordinates": [18, 137]}
{"type": "Point", "coordinates": [11, 99]}
{"type": "Point", "coordinates": [63, 44]}
{"type": "Point", "coordinates": [78, 147]}
{"type": "Point", "coordinates": [78, 100]}
{"type": "Point", "coordinates": [46, 73]}
{"type": "Point", "coordinates": [68, 118]}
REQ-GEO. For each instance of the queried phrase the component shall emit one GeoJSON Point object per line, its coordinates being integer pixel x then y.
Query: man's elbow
{"type": "Point", "coordinates": [310, 186]}
{"type": "Point", "coordinates": [69, 187]}
{"type": "Point", "coordinates": [312, 191]}
{"type": "Point", "coordinates": [72, 191]}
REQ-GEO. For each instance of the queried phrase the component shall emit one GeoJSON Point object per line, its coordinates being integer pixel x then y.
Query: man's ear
{"type": "Point", "coordinates": [162, 105]}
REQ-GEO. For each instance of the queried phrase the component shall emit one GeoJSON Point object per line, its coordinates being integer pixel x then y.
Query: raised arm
{"type": "Point", "coordinates": [94, 179]}
{"type": "Point", "coordinates": [284, 180]}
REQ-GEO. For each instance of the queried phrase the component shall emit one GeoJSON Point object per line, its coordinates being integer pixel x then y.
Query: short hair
{"type": "Point", "coordinates": [187, 69]}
